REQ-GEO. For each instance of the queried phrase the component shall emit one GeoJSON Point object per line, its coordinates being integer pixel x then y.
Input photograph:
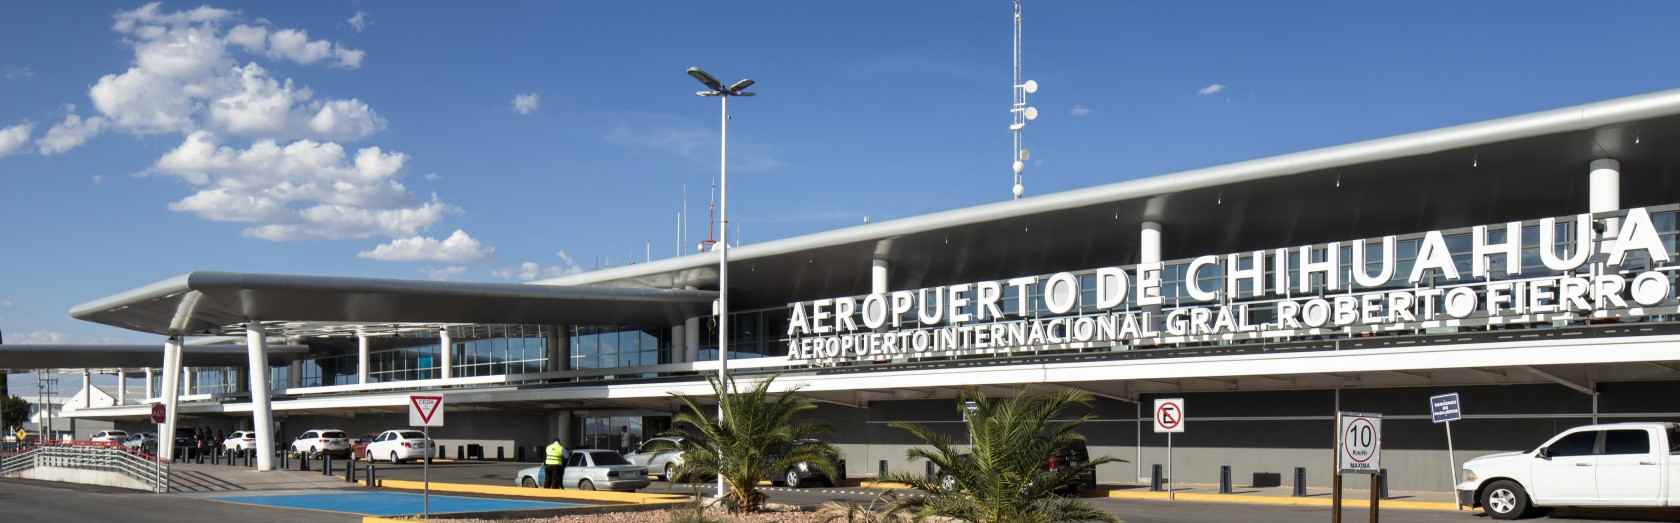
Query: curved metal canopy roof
{"type": "Point", "coordinates": [1520, 167]}
{"type": "Point", "coordinates": [206, 302]}
{"type": "Point", "coordinates": [135, 356]}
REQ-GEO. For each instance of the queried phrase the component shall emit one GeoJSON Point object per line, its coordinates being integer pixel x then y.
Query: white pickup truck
{"type": "Point", "coordinates": [1613, 465]}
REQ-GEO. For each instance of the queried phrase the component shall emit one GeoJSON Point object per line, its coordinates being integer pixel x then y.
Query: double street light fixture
{"type": "Point", "coordinates": [716, 88]}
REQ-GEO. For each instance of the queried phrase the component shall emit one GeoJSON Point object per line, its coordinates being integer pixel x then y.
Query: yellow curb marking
{"type": "Point", "coordinates": [571, 494]}
{"type": "Point", "coordinates": [1321, 501]}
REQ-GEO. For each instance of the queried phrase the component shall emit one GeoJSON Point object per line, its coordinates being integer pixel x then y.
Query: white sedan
{"type": "Point", "coordinates": [398, 446]}
{"type": "Point", "coordinates": [110, 436]}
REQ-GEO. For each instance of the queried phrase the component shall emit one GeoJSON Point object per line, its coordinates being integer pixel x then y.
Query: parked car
{"type": "Point", "coordinates": [398, 446]}
{"type": "Point", "coordinates": [591, 469]}
{"type": "Point", "coordinates": [186, 438]}
{"type": "Point", "coordinates": [1072, 455]}
{"type": "Point", "coordinates": [358, 446]}
{"type": "Point", "coordinates": [662, 455]}
{"type": "Point", "coordinates": [803, 473]}
{"type": "Point", "coordinates": [109, 436]}
{"type": "Point", "coordinates": [1611, 465]}
{"type": "Point", "coordinates": [316, 442]}
{"type": "Point", "coordinates": [240, 441]}
{"type": "Point", "coordinates": [146, 441]}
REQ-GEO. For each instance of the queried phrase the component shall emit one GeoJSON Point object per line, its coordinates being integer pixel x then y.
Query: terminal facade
{"type": "Point", "coordinates": [1526, 263]}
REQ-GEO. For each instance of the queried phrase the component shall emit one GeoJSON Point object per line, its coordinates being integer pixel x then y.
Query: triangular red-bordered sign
{"type": "Point", "coordinates": [426, 406]}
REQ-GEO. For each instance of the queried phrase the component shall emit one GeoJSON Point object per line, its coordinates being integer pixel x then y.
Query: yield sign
{"type": "Point", "coordinates": [425, 411]}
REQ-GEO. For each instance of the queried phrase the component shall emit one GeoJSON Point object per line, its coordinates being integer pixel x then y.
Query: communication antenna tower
{"type": "Point", "coordinates": [1020, 112]}
{"type": "Point", "coordinates": [711, 221]}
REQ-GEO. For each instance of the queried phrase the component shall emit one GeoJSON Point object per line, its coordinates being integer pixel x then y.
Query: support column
{"type": "Point", "coordinates": [149, 392]}
{"type": "Point", "coordinates": [445, 359]}
{"type": "Point", "coordinates": [679, 343]}
{"type": "Point", "coordinates": [262, 415]}
{"type": "Point", "coordinates": [563, 346]}
{"type": "Point", "coordinates": [691, 341]}
{"type": "Point", "coordinates": [879, 270]}
{"type": "Point", "coordinates": [1149, 243]}
{"type": "Point", "coordinates": [186, 381]}
{"type": "Point", "coordinates": [87, 388]}
{"type": "Point", "coordinates": [171, 395]}
{"type": "Point", "coordinates": [1604, 190]}
{"type": "Point", "coordinates": [361, 356]}
{"type": "Point", "coordinates": [122, 386]}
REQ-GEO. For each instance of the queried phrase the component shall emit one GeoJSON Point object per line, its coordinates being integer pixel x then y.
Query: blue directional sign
{"type": "Point", "coordinates": [1444, 408]}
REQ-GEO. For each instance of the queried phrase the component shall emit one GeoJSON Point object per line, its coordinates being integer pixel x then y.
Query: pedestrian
{"type": "Point", "coordinates": [623, 439]}
{"type": "Point", "coordinates": [554, 465]}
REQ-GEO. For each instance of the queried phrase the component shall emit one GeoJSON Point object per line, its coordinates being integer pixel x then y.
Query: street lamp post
{"type": "Point", "coordinates": [715, 88]}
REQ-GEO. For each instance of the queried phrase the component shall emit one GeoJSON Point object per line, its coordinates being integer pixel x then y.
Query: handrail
{"type": "Point", "coordinates": [132, 463]}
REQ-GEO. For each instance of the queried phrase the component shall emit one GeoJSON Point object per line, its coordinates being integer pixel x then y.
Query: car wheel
{"type": "Point", "coordinates": [528, 482]}
{"type": "Point", "coordinates": [394, 459]}
{"type": "Point", "coordinates": [1505, 500]}
{"type": "Point", "coordinates": [312, 453]}
{"type": "Point", "coordinates": [667, 475]}
{"type": "Point", "coordinates": [586, 485]}
{"type": "Point", "coordinates": [792, 479]}
{"type": "Point", "coordinates": [948, 482]}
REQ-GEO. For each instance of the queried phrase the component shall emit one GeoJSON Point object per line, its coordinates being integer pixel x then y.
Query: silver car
{"type": "Point", "coordinates": [591, 469]}
{"type": "Point", "coordinates": [661, 455]}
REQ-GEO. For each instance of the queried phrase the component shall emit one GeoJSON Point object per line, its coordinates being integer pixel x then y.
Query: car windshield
{"type": "Point", "coordinates": [332, 434]}
{"type": "Point", "coordinates": [412, 434]}
{"type": "Point", "coordinates": [607, 458]}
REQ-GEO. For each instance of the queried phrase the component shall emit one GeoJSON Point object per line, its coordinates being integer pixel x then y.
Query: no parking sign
{"type": "Point", "coordinates": [1169, 415]}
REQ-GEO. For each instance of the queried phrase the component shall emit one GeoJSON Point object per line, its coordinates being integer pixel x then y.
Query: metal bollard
{"type": "Point", "coordinates": [372, 477]}
{"type": "Point", "coordinates": [1224, 479]}
{"type": "Point", "coordinates": [881, 474]}
{"type": "Point", "coordinates": [460, 452]}
{"type": "Point", "coordinates": [350, 470]}
{"type": "Point", "coordinates": [303, 462]}
{"type": "Point", "coordinates": [931, 475]}
{"type": "Point", "coordinates": [1155, 482]}
{"type": "Point", "coordinates": [248, 455]}
{"type": "Point", "coordinates": [285, 460]}
{"type": "Point", "coordinates": [1299, 489]}
{"type": "Point", "coordinates": [499, 456]}
{"type": "Point", "coordinates": [326, 464]}
{"type": "Point", "coordinates": [519, 454]}
{"type": "Point", "coordinates": [1380, 482]}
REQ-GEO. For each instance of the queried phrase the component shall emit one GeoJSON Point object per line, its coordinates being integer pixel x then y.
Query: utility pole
{"type": "Point", "coordinates": [1020, 112]}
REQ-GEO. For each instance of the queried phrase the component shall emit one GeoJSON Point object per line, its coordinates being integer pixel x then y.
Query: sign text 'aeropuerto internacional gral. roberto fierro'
{"type": "Point", "coordinates": [1311, 294]}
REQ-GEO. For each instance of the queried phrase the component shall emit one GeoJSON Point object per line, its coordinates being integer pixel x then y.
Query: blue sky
{"type": "Point", "coordinates": [190, 150]}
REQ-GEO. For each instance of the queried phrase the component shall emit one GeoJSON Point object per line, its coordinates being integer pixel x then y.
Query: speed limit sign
{"type": "Point", "coordinates": [1359, 443]}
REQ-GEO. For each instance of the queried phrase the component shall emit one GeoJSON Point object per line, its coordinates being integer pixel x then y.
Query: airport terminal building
{"type": "Point", "coordinates": [1527, 263]}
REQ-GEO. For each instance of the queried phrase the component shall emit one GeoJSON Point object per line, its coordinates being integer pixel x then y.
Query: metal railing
{"type": "Point", "coordinates": [133, 464]}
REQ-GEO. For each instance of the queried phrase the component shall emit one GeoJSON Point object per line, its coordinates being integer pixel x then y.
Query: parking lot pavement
{"type": "Point", "coordinates": [25, 500]}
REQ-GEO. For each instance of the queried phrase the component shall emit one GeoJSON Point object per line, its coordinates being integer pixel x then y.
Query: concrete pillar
{"type": "Point", "coordinates": [361, 356]}
{"type": "Point", "coordinates": [1604, 190]}
{"type": "Point", "coordinates": [1149, 243]}
{"type": "Point", "coordinates": [171, 393]}
{"type": "Point", "coordinates": [87, 388]}
{"type": "Point", "coordinates": [262, 415]}
{"type": "Point", "coordinates": [186, 381]}
{"type": "Point", "coordinates": [691, 340]}
{"type": "Point", "coordinates": [879, 270]}
{"type": "Point", "coordinates": [679, 343]}
{"type": "Point", "coordinates": [446, 360]}
{"type": "Point", "coordinates": [122, 386]}
{"type": "Point", "coordinates": [149, 392]}
{"type": "Point", "coordinates": [563, 347]}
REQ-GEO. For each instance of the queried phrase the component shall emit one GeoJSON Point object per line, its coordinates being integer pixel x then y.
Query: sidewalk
{"type": "Point", "coordinates": [1352, 497]}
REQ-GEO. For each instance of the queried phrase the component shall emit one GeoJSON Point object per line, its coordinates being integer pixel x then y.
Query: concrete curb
{"type": "Point", "coordinates": [1317, 501]}
{"type": "Point", "coordinates": [628, 498]}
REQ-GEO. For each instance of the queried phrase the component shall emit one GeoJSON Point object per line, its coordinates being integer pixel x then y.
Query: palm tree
{"type": "Point", "coordinates": [758, 439]}
{"type": "Point", "coordinates": [1002, 476]}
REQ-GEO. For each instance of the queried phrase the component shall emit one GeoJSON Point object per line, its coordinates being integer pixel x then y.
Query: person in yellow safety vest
{"type": "Point", "coordinates": [554, 465]}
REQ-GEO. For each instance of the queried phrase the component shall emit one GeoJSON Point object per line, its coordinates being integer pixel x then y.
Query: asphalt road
{"type": "Point", "coordinates": [26, 500]}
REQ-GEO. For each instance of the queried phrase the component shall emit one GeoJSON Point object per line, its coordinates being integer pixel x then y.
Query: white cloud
{"type": "Point", "coordinates": [432, 177]}
{"type": "Point", "coordinates": [14, 138]}
{"type": "Point", "coordinates": [1210, 89]}
{"type": "Point", "coordinates": [1079, 110]}
{"type": "Point", "coordinates": [98, 179]}
{"type": "Point", "coordinates": [70, 134]}
{"type": "Point", "coordinates": [443, 273]}
{"type": "Point", "coordinates": [16, 72]}
{"type": "Point", "coordinates": [531, 270]}
{"type": "Point", "coordinates": [301, 190]}
{"type": "Point", "coordinates": [359, 22]}
{"type": "Point", "coordinates": [42, 338]}
{"type": "Point", "coordinates": [526, 103]}
{"type": "Point", "coordinates": [457, 248]}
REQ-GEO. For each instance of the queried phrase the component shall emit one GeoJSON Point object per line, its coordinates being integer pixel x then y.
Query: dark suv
{"type": "Point", "coordinates": [803, 473]}
{"type": "Point", "coordinates": [1072, 455]}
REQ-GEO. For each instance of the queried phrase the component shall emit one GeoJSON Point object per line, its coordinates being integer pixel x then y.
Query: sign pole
{"type": "Point", "coordinates": [1376, 500]}
{"type": "Point", "coordinates": [1452, 467]}
{"type": "Point", "coordinates": [426, 471]}
{"type": "Point", "coordinates": [1336, 479]}
{"type": "Point", "coordinates": [1170, 495]}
